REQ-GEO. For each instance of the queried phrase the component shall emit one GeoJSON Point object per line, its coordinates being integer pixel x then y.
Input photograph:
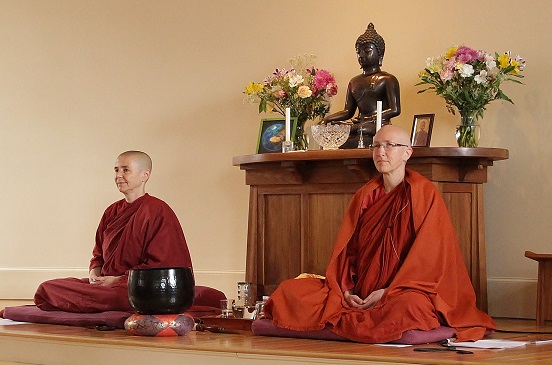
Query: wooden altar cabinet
{"type": "Point", "coordinates": [297, 201]}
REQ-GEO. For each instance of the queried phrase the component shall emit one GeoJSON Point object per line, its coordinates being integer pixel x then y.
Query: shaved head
{"type": "Point", "coordinates": [132, 172]}
{"type": "Point", "coordinates": [392, 133]}
{"type": "Point", "coordinates": [141, 158]}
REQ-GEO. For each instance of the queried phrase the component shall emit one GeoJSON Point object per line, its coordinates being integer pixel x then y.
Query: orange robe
{"type": "Point", "coordinates": [403, 241]}
{"type": "Point", "coordinates": [143, 234]}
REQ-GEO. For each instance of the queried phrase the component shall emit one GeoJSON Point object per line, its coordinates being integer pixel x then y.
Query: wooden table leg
{"type": "Point", "coordinates": [544, 286]}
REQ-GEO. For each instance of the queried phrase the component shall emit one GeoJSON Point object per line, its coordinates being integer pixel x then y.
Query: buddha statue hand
{"type": "Point", "coordinates": [346, 122]}
{"type": "Point", "coordinates": [367, 124]}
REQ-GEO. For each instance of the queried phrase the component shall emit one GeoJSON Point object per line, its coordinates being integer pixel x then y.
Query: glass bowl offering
{"type": "Point", "coordinates": [330, 136]}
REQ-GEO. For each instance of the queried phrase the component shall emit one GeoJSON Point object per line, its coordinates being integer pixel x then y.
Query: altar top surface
{"type": "Point", "coordinates": [489, 154]}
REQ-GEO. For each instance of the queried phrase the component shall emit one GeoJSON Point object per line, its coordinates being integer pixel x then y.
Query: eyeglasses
{"type": "Point", "coordinates": [386, 145]}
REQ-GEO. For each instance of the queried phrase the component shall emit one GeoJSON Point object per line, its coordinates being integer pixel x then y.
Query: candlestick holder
{"type": "Point", "coordinates": [360, 138]}
{"type": "Point", "coordinates": [287, 146]}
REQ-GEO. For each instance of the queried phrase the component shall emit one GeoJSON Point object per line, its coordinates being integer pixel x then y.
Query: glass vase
{"type": "Point", "coordinates": [300, 138]}
{"type": "Point", "coordinates": [467, 133]}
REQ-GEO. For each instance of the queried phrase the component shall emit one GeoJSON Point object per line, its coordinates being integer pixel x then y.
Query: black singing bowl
{"type": "Point", "coordinates": [161, 290]}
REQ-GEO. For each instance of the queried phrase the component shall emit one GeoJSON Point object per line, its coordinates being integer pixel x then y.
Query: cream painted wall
{"type": "Point", "coordinates": [81, 81]}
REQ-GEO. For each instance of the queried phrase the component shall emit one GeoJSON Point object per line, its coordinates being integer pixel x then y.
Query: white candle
{"type": "Point", "coordinates": [288, 124]}
{"type": "Point", "coordinates": [378, 116]}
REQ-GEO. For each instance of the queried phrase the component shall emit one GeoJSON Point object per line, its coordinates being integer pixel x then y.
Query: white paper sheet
{"type": "Point", "coordinates": [9, 322]}
{"type": "Point", "coordinates": [490, 344]}
{"type": "Point", "coordinates": [392, 345]}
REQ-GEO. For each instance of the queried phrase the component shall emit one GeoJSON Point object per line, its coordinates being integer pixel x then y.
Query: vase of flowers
{"type": "Point", "coordinates": [468, 80]}
{"type": "Point", "coordinates": [304, 89]}
{"type": "Point", "coordinates": [468, 131]}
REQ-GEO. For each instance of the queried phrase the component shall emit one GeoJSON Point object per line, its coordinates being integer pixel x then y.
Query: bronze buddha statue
{"type": "Point", "coordinates": [364, 91]}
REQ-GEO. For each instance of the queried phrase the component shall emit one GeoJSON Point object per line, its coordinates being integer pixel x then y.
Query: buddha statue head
{"type": "Point", "coordinates": [371, 37]}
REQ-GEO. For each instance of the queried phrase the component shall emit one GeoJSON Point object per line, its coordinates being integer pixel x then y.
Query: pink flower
{"type": "Point", "coordinates": [449, 64]}
{"type": "Point", "coordinates": [321, 79]}
{"type": "Point", "coordinates": [446, 74]}
{"type": "Point", "coordinates": [280, 72]}
{"type": "Point", "coordinates": [466, 54]}
{"type": "Point", "coordinates": [280, 94]}
{"type": "Point", "coordinates": [331, 89]}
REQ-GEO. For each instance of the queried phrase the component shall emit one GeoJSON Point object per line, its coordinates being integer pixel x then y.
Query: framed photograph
{"type": "Point", "coordinates": [271, 134]}
{"type": "Point", "coordinates": [421, 130]}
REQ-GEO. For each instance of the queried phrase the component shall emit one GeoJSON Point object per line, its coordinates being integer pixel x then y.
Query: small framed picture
{"type": "Point", "coordinates": [272, 133]}
{"type": "Point", "coordinates": [421, 130]}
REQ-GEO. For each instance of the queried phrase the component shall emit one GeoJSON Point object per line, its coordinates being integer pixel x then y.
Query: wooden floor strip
{"type": "Point", "coordinates": [54, 344]}
{"type": "Point", "coordinates": [244, 345]}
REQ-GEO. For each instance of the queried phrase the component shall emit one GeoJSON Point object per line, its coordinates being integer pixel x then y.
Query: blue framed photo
{"type": "Point", "coordinates": [272, 133]}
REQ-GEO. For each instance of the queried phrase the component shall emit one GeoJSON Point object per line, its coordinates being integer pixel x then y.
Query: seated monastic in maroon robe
{"type": "Point", "coordinates": [143, 234]}
{"type": "Point", "coordinates": [402, 241]}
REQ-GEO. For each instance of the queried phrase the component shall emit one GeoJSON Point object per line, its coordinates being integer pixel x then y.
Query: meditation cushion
{"type": "Point", "coordinates": [206, 303]}
{"type": "Point", "coordinates": [265, 327]}
{"type": "Point", "coordinates": [160, 325]}
{"type": "Point", "coordinates": [33, 314]}
{"type": "Point", "coordinates": [115, 319]}
{"type": "Point", "coordinates": [207, 297]}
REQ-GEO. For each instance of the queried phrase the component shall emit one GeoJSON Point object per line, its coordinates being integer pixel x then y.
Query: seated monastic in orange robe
{"type": "Point", "coordinates": [139, 231]}
{"type": "Point", "coordinates": [402, 243]}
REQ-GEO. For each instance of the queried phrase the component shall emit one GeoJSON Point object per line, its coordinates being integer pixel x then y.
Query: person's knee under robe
{"type": "Point", "coordinates": [142, 234]}
{"type": "Point", "coordinates": [403, 241]}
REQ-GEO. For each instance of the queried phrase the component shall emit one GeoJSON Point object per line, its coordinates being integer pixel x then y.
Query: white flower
{"type": "Point", "coordinates": [304, 91]}
{"type": "Point", "coordinates": [295, 80]}
{"type": "Point", "coordinates": [481, 78]}
{"type": "Point", "coordinates": [521, 62]}
{"type": "Point", "coordinates": [490, 61]}
{"type": "Point", "coordinates": [429, 62]}
{"type": "Point", "coordinates": [466, 70]}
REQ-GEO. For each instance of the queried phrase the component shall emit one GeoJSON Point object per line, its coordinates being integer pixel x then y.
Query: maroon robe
{"type": "Point", "coordinates": [142, 234]}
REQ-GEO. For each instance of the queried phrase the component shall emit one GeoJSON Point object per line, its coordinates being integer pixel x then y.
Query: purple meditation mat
{"type": "Point", "coordinates": [116, 319]}
{"type": "Point", "coordinates": [265, 327]}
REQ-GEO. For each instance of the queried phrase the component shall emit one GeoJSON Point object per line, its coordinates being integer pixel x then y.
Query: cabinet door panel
{"type": "Point", "coordinates": [325, 213]}
{"type": "Point", "coordinates": [465, 206]}
{"type": "Point", "coordinates": [280, 233]}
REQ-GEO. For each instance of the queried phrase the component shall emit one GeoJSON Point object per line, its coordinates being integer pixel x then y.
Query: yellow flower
{"type": "Point", "coordinates": [503, 60]}
{"type": "Point", "coordinates": [450, 52]}
{"type": "Point", "coordinates": [514, 63]}
{"type": "Point", "coordinates": [253, 88]}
